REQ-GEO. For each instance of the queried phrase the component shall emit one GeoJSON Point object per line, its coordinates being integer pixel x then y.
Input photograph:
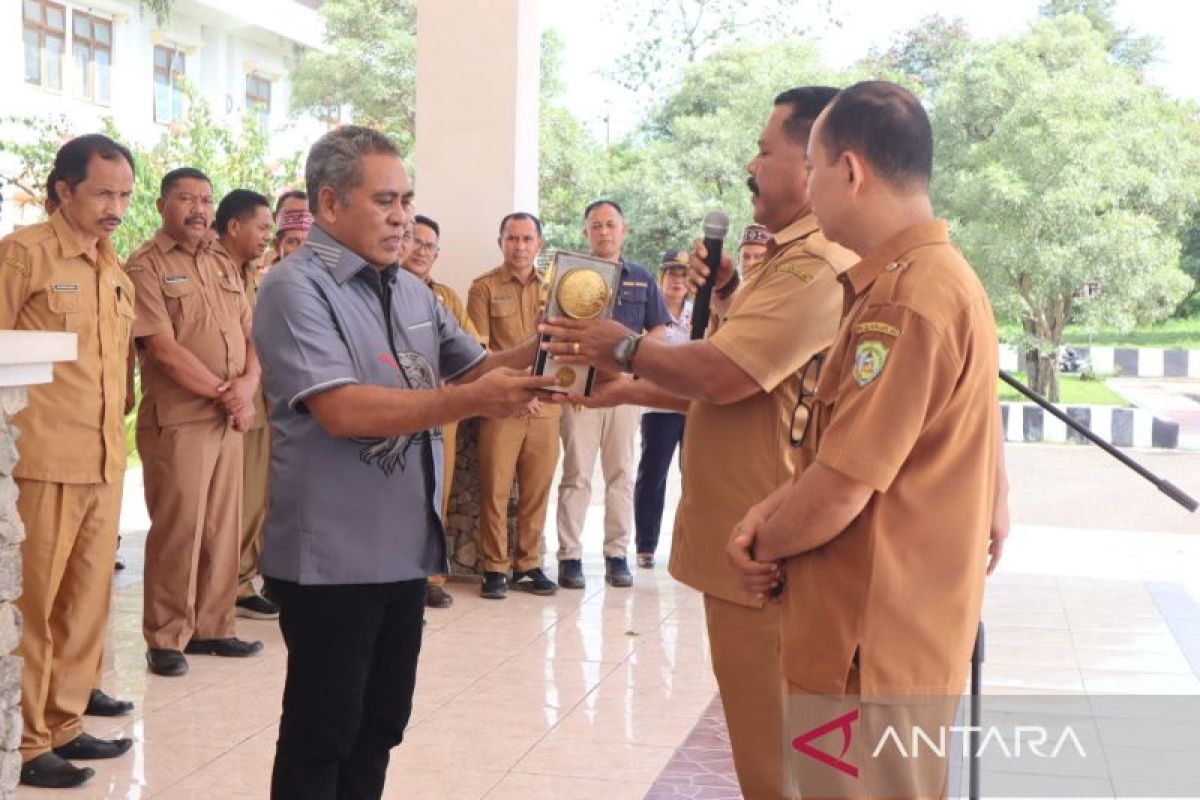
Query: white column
{"type": "Point", "coordinates": [477, 125]}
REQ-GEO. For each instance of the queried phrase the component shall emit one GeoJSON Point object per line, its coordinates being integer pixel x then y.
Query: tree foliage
{"type": "Point", "coordinates": [1124, 45]}
{"type": "Point", "coordinates": [1060, 167]}
{"type": "Point", "coordinates": [922, 56]}
{"type": "Point", "coordinates": [233, 159]}
{"type": "Point", "coordinates": [371, 67]}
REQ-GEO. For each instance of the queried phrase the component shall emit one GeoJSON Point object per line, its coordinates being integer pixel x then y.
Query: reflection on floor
{"type": "Point", "coordinates": [608, 693]}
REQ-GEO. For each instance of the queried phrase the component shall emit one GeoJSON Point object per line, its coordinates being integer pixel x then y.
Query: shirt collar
{"type": "Point", "coordinates": [167, 243]}
{"type": "Point", "coordinates": [800, 229]}
{"type": "Point", "coordinates": [510, 276]}
{"type": "Point", "coordinates": [71, 242]}
{"type": "Point", "coordinates": [222, 250]}
{"type": "Point", "coordinates": [342, 263]}
{"type": "Point", "coordinates": [892, 252]}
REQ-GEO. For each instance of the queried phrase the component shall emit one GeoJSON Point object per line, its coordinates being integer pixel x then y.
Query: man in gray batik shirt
{"type": "Point", "coordinates": [356, 359]}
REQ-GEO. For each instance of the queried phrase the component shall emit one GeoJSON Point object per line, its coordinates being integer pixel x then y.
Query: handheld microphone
{"type": "Point", "coordinates": [716, 227]}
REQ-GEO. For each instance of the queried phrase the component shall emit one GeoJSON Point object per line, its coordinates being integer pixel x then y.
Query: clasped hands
{"type": "Point", "coordinates": [762, 579]}
{"type": "Point", "coordinates": [235, 397]}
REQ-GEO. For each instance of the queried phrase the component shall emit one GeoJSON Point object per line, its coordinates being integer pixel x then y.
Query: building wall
{"type": "Point", "coordinates": [223, 41]}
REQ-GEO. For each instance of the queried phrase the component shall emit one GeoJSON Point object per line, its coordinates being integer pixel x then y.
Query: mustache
{"type": "Point", "coordinates": [752, 185]}
{"type": "Point", "coordinates": [113, 220]}
{"type": "Point", "coordinates": [195, 218]}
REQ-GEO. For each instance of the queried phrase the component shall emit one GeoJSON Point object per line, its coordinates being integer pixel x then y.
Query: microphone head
{"type": "Point", "coordinates": [716, 225]}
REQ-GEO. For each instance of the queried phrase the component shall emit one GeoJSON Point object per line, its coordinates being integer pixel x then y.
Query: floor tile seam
{"type": "Point", "coordinates": [208, 763]}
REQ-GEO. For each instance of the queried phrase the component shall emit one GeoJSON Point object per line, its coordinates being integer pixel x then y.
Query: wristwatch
{"type": "Point", "coordinates": [626, 349]}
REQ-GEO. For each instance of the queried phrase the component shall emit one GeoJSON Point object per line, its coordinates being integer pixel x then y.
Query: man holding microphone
{"type": "Point", "coordinates": [744, 383]}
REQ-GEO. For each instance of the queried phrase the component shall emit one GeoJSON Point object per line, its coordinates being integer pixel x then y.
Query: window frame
{"type": "Point", "coordinates": [175, 54]}
{"type": "Point", "coordinates": [45, 33]}
{"type": "Point", "coordinates": [91, 91]}
{"type": "Point", "coordinates": [260, 104]}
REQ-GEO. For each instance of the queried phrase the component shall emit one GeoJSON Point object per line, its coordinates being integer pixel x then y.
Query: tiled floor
{"type": "Point", "coordinates": [608, 694]}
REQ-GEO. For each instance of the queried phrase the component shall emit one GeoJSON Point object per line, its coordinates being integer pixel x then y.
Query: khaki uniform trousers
{"type": "Point", "coordinates": [745, 655]}
{"type": "Point", "coordinates": [527, 448]}
{"type": "Point", "coordinates": [449, 456]}
{"type": "Point", "coordinates": [193, 482]}
{"type": "Point", "coordinates": [67, 568]}
{"type": "Point", "coordinates": [611, 433]}
{"type": "Point", "coordinates": [256, 465]}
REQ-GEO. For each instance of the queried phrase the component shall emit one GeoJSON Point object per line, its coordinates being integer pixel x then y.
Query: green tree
{"type": "Point", "coordinates": [923, 55]}
{"type": "Point", "coordinates": [371, 66]}
{"type": "Point", "coordinates": [665, 38]}
{"type": "Point", "coordinates": [1060, 167]}
{"type": "Point", "coordinates": [690, 156]}
{"type": "Point", "coordinates": [232, 159]}
{"type": "Point", "coordinates": [1125, 45]}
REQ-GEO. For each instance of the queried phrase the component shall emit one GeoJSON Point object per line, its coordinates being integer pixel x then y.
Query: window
{"type": "Point", "coordinates": [170, 65]}
{"type": "Point", "coordinates": [258, 97]}
{"type": "Point", "coordinates": [91, 48]}
{"type": "Point", "coordinates": [45, 38]}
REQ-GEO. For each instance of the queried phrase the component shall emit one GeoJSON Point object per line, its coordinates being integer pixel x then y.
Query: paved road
{"type": "Point", "coordinates": [1080, 486]}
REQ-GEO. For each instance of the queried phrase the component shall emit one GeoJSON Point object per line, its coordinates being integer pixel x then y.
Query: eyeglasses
{"type": "Point", "coordinates": [424, 247]}
{"type": "Point", "coordinates": [806, 394]}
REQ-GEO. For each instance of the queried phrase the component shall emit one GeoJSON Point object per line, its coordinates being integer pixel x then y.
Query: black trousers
{"type": "Point", "coordinates": [351, 670]}
{"type": "Point", "coordinates": [661, 434]}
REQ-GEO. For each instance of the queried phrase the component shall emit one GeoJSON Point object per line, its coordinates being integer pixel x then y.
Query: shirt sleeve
{"type": "Point", "coordinates": [656, 308]}
{"type": "Point", "coordinates": [788, 317]}
{"type": "Point", "coordinates": [477, 310]}
{"type": "Point", "coordinates": [899, 374]}
{"type": "Point", "coordinates": [299, 343]}
{"type": "Point", "coordinates": [150, 309]}
{"type": "Point", "coordinates": [15, 271]}
{"type": "Point", "coordinates": [458, 350]}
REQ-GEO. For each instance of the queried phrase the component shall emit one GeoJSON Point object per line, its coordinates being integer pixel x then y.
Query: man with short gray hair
{"type": "Point", "coordinates": [362, 365]}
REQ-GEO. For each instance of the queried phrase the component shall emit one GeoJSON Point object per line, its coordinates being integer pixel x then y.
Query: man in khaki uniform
{"type": "Point", "coordinates": [744, 383]}
{"type": "Point", "coordinates": [504, 305]}
{"type": "Point", "coordinates": [199, 378]}
{"type": "Point", "coordinates": [244, 226]}
{"type": "Point", "coordinates": [63, 275]}
{"type": "Point", "coordinates": [422, 255]}
{"type": "Point", "coordinates": [884, 536]}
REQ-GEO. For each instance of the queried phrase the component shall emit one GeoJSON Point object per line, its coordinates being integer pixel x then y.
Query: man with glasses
{"type": "Point", "coordinates": [422, 255]}
{"type": "Point", "coordinates": [743, 383]}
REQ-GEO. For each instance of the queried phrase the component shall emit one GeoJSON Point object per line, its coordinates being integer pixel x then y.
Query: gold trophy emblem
{"type": "Point", "coordinates": [565, 376]}
{"type": "Point", "coordinates": [582, 294]}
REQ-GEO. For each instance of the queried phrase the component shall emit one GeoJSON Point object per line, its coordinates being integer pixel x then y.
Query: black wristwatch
{"type": "Point", "coordinates": [626, 349]}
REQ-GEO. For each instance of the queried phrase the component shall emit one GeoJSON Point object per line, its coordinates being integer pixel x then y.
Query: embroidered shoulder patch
{"type": "Point", "coordinates": [18, 259]}
{"type": "Point", "coordinates": [869, 359]}
{"type": "Point", "coordinates": [876, 327]}
{"type": "Point", "coordinates": [800, 272]}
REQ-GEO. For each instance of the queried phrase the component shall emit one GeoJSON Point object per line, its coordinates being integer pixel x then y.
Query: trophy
{"type": "Point", "coordinates": [579, 287]}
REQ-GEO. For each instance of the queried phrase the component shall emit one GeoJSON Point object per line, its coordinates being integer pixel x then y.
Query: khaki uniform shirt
{"type": "Point", "coordinates": [450, 299]}
{"type": "Point", "coordinates": [73, 430]}
{"type": "Point", "coordinates": [735, 455]}
{"type": "Point", "coordinates": [251, 276]}
{"type": "Point", "coordinates": [906, 405]}
{"type": "Point", "coordinates": [505, 311]}
{"type": "Point", "coordinates": [198, 299]}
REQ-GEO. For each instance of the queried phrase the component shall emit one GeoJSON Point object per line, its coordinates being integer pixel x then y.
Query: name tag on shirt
{"type": "Point", "coordinates": [64, 287]}
{"type": "Point", "coordinates": [420, 325]}
{"type": "Point", "coordinates": [176, 279]}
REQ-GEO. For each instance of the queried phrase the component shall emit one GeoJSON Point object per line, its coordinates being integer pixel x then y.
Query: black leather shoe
{"type": "Point", "coordinates": [49, 771]}
{"type": "Point", "coordinates": [494, 586]}
{"type": "Point", "coordinates": [437, 597]}
{"type": "Point", "coordinates": [255, 607]}
{"type": "Point", "coordinates": [101, 705]}
{"type": "Point", "coordinates": [533, 581]}
{"type": "Point", "coordinates": [86, 747]}
{"type": "Point", "coordinates": [616, 572]}
{"type": "Point", "coordinates": [169, 663]}
{"type": "Point", "coordinates": [227, 648]}
{"type": "Point", "coordinates": [570, 573]}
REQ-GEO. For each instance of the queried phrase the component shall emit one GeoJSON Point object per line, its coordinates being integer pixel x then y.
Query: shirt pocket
{"type": "Point", "coordinates": [631, 304]}
{"type": "Point", "coordinates": [66, 308]}
{"type": "Point", "coordinates": [123, 314]}
{"type": "Point", "coordinates": [184, 302]}
{"type": "Point", "coordinates": [505, 321]}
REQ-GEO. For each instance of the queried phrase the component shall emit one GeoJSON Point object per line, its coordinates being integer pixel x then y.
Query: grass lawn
{"type": "Point", "coordinates": [1072, 392]}
{"type": "Point", "coordinates": [1183, 334]}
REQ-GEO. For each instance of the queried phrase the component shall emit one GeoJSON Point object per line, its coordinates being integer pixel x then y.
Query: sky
{"type": "Point", "coordinates": [592, 39]}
